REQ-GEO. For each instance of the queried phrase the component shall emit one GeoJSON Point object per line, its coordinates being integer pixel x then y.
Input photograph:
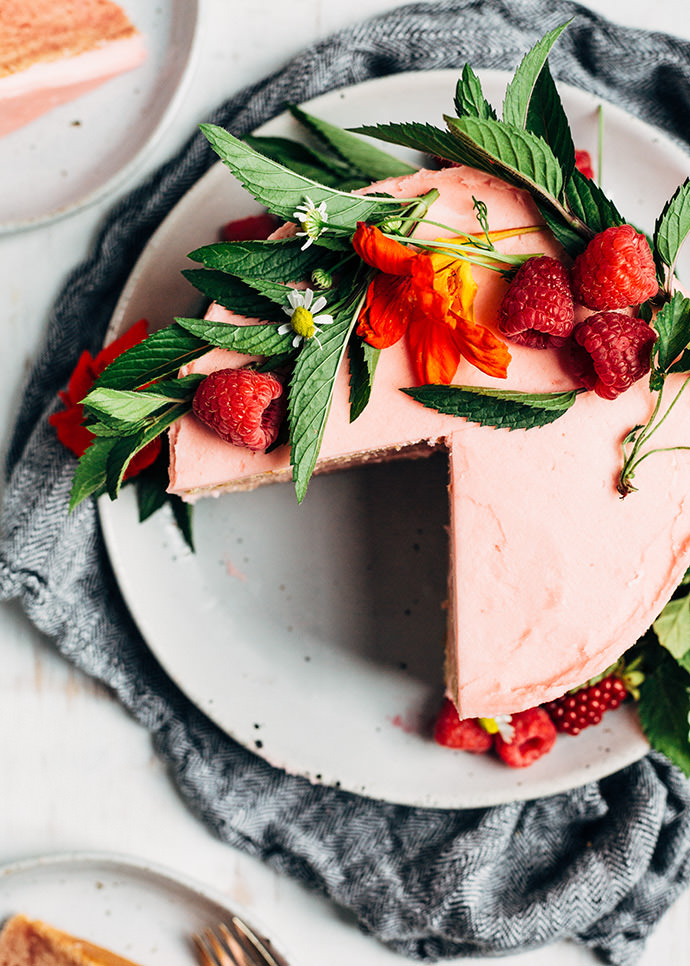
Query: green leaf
{"type": "Point", "coordinates": [363, 361]}
{"type": "Point", "coordinates": [151, 486]}
{"type": "Point", "coordinates": [183, 514]}
{"type": "Point", "coordinates": [469, 96]}
{"type": "Point", "coordinates": [547, 119]}
{"type": "Point", "coordinates": [589, 203]}
{"type": "Point", "coordinates": [663, 710]}
{"type": "Point", "coordinates": [125, 447]}
{"type": "Point", "coordinates": [311, 393]}
{"type": "Point", "coordinates": [519, 92]}
{"type": "Point", "coordinates": [672, 322]}
{"type": "Point", "coordinates": [672, 627]}
{"type": "Point", "coordinates": [303, 160]}
{"type": "Point", "coordinates": [238, 296]}
{"type": "Point", "coordinates": [366, 159]}
{"type": "Point", "coordinates": [416, 135]}
{"type": "Point", "coordinates": [160, 355]}
{"type": "Point", "coordinates": [90, 476]}
{"type": "Point", "coordinates": [124, 405]}
{"type": "Point", "coordinates": [279, 261]}
{"type": "Point", "coordinates": [281, 191]}
{"type": "Point", "coordinates": [672, 227]}
{"type": "Point", "coordinates": [510, 153]}
{"type": "Point", "coordinates": [255, 340]}
{"type": "Point", "coordinates": [683, 364]}
{"type": "Point", "coordinates": [500, 408]}
{"type": "Point", "coordinates": [570, 239]}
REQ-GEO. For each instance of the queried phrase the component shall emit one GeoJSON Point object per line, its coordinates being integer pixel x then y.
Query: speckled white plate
{"type": "Point", "coordinates": [75, 154]}
{"type": "Point", "coordinates": [140, 911]}
{"type": "Point", "coordinates": [314, 634]}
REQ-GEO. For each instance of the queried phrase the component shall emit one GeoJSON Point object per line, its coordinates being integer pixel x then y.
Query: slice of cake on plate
{"type": "Point", "coordinates": [53, 52]}
{"type": "Point", "coordinates": [25, 942]}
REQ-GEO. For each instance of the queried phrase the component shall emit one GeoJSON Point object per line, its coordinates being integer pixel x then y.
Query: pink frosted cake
{"type": "Point", "coordinates": [53, 52]}
{"type": "Point", "coordinates": [499, 310]}
{"type": "Point", "coordinates": [551, 574]}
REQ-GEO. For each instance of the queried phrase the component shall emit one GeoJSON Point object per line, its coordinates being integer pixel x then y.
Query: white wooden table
{"type": "Point", "coordinates": [76, 772]}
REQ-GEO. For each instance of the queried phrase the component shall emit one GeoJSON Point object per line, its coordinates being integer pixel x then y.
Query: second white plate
{"type": "Point", "coordinates": [313, 634]}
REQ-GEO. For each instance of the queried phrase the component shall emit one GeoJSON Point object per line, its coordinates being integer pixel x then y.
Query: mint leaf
{"type": "Point", "coordinates": [672, 322]}
{"type": "Point", "coordinates": [663, 710]}
{"type": "Point", "coordinates": [123, 405]}
{"type": "Point", "coordinates": [237, 295]}
{"type": "Point", "coordinates": [151, 485]}
{"type": "Point", "coordinates": [279, 261]}
{"type": "Point", "coordinates": [672, 627]}
{"type": "Point", "coordinates": [416, 135]}
{"type": "Point", "coordinates": [281, 191]}
{"type": "Point", "coordinates": [510, 153]}
{"type": "Point", "coordinates": [469, 96]}
{"type": "Point", "coordinates": [519, 92]}
{"type": "Point", "coordinates": [311, 393]}
{"type": "Point", "coordinates": [255, 340]}
{"type": "Point", "coordinates": [158, 356]}
{"type": "Point", "coordinates": [366, 159]}
{"type": "Point", "coordinates": [363, 361]}
{"type": "Point", "coordinates": [183, 513]}
{"type": "Point", "coordinates": [683, 364]}
{"type": "Point", "coordinates": [567, 236]}
{"type": "Point", "coordinates": [89, 477]}
{"type": "Point", "coordinates": [589, 203]}
{"type": "Point", "coordinates": [672, 227]}
{"type": "Point", "coordinates": [547, 119]}
{"type": "Point", "coordinates": [303, 160]}
{"type": "Point", "coordinates": [500, 408]}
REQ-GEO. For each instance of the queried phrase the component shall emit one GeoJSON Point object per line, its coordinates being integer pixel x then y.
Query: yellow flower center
{"type": "Point", "coordinates": [302, 322]}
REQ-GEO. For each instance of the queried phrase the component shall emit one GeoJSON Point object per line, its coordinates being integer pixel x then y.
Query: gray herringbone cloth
{"type": "Point", "coordinates": [599, 864]}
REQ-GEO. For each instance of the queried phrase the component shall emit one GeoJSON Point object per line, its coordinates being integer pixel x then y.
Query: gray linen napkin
{"type": "Point", "coordinates": [599, 864]}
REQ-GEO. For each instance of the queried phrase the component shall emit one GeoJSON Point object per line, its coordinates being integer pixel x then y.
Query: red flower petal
{"type": "Point", "coordinates": [383, 253]}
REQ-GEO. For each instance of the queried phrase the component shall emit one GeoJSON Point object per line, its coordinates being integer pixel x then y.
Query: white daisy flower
{"type": "Point", "coordinates": [504, 727]}
{"type": "Point", "coordinates": [305, 320]}
{"type": "Point", "coordinates": [313, 220]}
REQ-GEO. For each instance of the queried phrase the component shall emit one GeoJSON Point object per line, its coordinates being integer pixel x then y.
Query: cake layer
{"type": "Point", "coordinates": [55, 58]}
{"type": "Point", "coordinates": [552, 575]}
{"type": "Point", "coordinates": [33, 943]}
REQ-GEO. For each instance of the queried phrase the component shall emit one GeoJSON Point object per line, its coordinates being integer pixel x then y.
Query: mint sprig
{"type": "Point", "coordinates": [671, 230]}
{"type": "Point", "coordinates": [281, 191]}
{"type": "Point", "coordinates": [664, 708]}
{"type": "Point", "coordinates": [469, 96]}
{"type": "Point", "coordinates": [500, 408]}
{"type": "Point", "coordinates": [519, 92]}
{"type": "Point", "coordinates": [279, 261]}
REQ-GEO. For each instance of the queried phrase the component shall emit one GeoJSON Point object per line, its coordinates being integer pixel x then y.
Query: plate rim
{"type": "Point", "coordinates": [191, 10]}
{"type": "Point", "coordinates": [132, 865]}
{"type": "Point", "coordinates": [637, 748]}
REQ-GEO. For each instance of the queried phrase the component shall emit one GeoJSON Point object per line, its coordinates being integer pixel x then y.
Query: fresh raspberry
{"type": "Point", "coordinates": [537, 310]}
{"type": "Point", "coordinates": [253, 228]}
{"type": "Point", "coordinates": [534, 734]}
{"type": "Point", "coordinates": [453, 732]}
{"type": "Point", "coordinates": [242, 406]}
{"type": "Point", "coordinates": [583, 163]}
{"type": "Point", "coordinates": [615, 270]}
{"type": "Point", "coordinates": [611, 351]}
{"type": "Point", "coordinates": [573, 712]}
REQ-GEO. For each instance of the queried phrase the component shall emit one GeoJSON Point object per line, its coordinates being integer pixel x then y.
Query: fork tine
{"type": "Point", "coordinates": [213, 952]}
{"type": "Point", "coordinates": [246, 953]}
{"type": "Point", "coordinates": [250, 940]}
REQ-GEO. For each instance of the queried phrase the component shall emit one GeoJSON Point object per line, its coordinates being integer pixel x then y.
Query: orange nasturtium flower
{"type": "Point", "coordinates": [431, 298]}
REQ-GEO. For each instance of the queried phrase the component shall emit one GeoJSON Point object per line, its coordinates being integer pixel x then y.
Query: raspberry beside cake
{"type": "Point", "coordinates": [552, 576]}
{"type": "Point", "coordinates": [53, 52]}
{"type": "Point", "coordinates": [24, 942]}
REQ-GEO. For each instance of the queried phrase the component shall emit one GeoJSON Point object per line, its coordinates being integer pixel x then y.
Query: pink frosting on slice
{"type": "Point", "coordinates": [27, 94]}
{"type": "Point", "coordinates": [552, 575]}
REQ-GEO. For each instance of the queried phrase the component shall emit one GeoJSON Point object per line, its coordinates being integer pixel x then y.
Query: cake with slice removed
{"type": "Point", "coordinates": [24, 942]}
{"type": "Point", "coordinates": [52, 52]}
{"type": "Point", "coordinates": [552, 575]}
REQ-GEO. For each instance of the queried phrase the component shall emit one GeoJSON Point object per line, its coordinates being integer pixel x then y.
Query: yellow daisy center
{"type": "Point", "coordinates": [302, 322]}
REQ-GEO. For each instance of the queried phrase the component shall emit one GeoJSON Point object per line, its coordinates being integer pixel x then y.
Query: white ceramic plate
{"type": "Point", "coordinates": [76, 153]}
{"type": "Point", "coordinates": [140, 911]}
{"type": "Point", "coordinates": [314, 634]}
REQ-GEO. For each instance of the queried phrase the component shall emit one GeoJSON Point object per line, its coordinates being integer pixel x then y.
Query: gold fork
{"type": "Point", "coordinates": [234, 944]}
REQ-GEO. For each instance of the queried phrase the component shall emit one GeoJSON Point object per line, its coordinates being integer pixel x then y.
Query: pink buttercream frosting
{"type": "Point", "coordinates": [552, 575]}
